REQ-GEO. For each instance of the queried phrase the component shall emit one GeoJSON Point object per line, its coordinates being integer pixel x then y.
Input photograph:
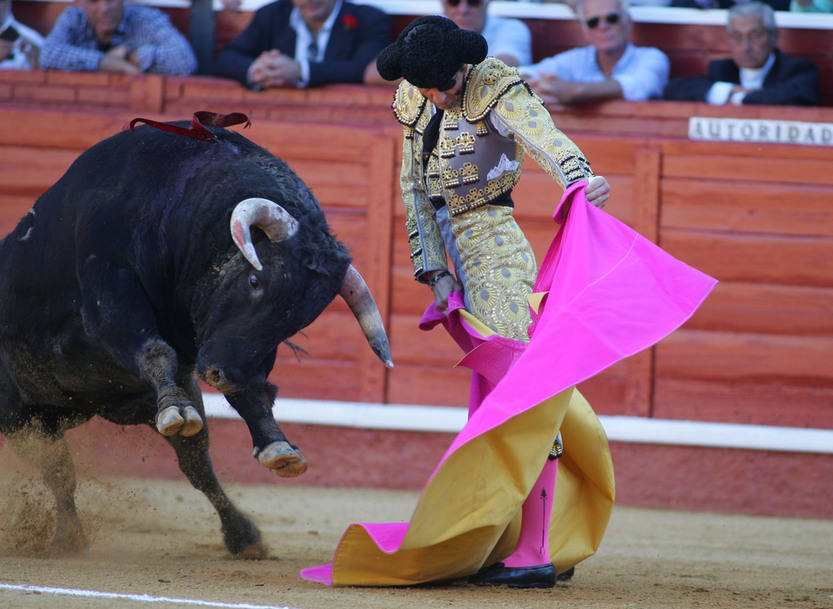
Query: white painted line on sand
{"type": "Point", "coordinates": [144, 598]}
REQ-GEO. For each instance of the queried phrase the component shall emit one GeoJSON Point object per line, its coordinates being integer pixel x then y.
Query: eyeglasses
{"type": "Point", "coordinates": [469, 2]}
{"type": "Point", "coordinates": [611, 18]}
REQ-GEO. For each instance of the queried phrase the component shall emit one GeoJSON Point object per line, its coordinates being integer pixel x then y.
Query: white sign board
{"type": "Point", "coordinates": [760, 131]}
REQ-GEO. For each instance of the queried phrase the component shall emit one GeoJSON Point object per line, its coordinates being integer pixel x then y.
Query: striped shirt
{"type": "Point", "coordinates": [161, 49]}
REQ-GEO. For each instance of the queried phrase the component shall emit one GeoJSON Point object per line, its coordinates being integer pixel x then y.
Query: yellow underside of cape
{"type": "Point", "coordinates": [469, 513]}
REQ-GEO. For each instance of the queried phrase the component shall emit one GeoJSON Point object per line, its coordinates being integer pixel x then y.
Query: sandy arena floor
{"type": "Point", "coordinates": [162, 539]}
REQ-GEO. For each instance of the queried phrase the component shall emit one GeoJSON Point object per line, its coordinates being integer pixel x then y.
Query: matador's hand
{"type": "Point", "coordinates": [442, 285]}
{"type": "Point", "coordinates": [597, 191]}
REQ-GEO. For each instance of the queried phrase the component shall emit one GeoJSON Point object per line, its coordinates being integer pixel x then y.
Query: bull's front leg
{"type": "Point", "coordinates": [271, 447]}
{"type": "Point", "coordinates": [117, 313]}
{"type": "Point", "coordinates": [175, 413]}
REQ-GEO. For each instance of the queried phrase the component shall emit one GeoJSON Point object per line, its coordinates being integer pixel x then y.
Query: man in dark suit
{"type": "Point", "coordinates": [305, 43]}
{"type": "Point", "coordinates": [757, 73]}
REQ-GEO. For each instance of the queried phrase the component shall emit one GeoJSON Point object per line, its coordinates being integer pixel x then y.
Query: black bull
{"type": "Point", "coordinates": [140, 267]}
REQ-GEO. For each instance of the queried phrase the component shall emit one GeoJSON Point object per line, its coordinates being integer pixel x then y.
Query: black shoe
{"type": "Point", "coordinates": [498, 574]}
{"type": "Point", "coordinates": [566, 575]}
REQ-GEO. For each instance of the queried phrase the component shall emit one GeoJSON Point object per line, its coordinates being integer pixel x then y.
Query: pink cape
{"type": "Point", "coordinates": [607, 293]}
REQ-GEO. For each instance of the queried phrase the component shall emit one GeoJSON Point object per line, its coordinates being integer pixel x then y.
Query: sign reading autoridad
{"type": "Point", "coordinates": [760, 130]}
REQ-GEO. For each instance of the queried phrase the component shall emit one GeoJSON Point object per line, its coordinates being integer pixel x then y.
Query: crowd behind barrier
{"type": "Point", "coordinates": [689, 37]}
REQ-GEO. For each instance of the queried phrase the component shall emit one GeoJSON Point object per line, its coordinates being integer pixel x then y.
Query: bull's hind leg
{"type": "Point", "coordinates": [50, 454]}
{"type": "Point", "coordinates": [241, 536]}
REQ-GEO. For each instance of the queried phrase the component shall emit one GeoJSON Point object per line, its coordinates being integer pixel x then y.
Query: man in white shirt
{"type": "Point", "coordinates": [757, 72]}
{"type": "Point", "coordinates": [609, 68]}
{"type": "Point", "coordinates": [509, 39]}
{"type": "Point", "coordinates": [19, 45]}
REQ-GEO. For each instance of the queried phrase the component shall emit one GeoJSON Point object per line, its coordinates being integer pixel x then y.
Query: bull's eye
{"type": "Point", "coordinates": [254, 282]}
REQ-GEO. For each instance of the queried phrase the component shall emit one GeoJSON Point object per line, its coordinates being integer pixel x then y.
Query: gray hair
{"type": "Point", "coordinates": [579, 9]}
{"type": "Point", "coordinates": [764, 11]}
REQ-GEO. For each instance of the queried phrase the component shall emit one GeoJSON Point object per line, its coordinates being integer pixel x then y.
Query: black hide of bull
{"type": "Point", "coordinates": [123, 280]}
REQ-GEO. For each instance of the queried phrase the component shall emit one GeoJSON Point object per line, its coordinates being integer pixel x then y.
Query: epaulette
{"type": "Point", "coordinates": [486, 83]}
{"type": "Point", "coordinates": [408, 103]}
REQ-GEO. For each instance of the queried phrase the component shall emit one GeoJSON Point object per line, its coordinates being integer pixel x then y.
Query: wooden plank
{"type": "Point", "coordinates": [429, 385]}
{"type": "Point", "coordinates": [623, 389]}
{"type": "Point", "coordinates": [766, 309]}
{"type": "Point", "coordinates": [76, 131]}
{"type": "Point", "coordinates": [317, 381]}
{"type": "Point", "coordinates": [804, 261]}
{"type": "Point", "coordinates": [748, 165]}
{"type": "Point", "coordinates": [647, 193]}
{"type": "Point", "coordinates": [28, 172]}
{"type": "Point", "coordinates": [786, 209]}
{"type": "Point", "coordinates": [378, 226]}
{"type": "Point", "coordinates": [750, 358]}
{"type": "Point", "coordinates": [333, 336]}
{"type": "Point", "coordinates": [415, 347]}
{"type": "Point", "coordinates": [746, 403]}
{"type": "Point", "coordinates": [537, 196]}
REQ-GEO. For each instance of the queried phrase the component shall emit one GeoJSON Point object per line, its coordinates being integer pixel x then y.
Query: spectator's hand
{"type": "Point", "coordinates": [32, 52]}
{"type": "Point", "coordinates": [117, 60]}
{"type": "Point", "coordinates": [554, 90]}
{"type": "Point", "coordinates": [597, 191]}
{"type": "Point", "coordinates": [444, 286]}
{"type": "Point", "coordinates": [6, 49]}
{"type": "Point", "coordinates": [273, 69]}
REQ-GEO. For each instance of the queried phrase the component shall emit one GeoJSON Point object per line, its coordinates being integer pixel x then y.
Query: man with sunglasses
{"type": "Point", "coordinates": [610, 67]}
{"type": "Point", "coordinates": [509, 39]}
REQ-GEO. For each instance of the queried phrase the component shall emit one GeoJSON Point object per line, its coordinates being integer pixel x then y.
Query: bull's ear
{"type": "Point", "coordinates": [268, 216]}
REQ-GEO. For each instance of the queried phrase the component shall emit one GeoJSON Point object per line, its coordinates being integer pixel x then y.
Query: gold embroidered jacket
{"type": "Point", "coordinates": [479, 153]}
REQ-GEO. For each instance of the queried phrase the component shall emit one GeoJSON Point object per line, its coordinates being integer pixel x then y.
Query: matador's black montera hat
{"type": "Point", "coordinates": [429, 52]}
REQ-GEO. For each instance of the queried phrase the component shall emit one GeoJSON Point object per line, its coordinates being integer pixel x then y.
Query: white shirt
{"type": "Point", "coordinates": [642, 72]}
{"type": "Point", "coordinates": [19, 60]}
{"type": "Point", "coordinates": [303, 39]}
{"type": "Point", "coordinates": [508, 37]}
{"type": "Point", "coordinates": [750, 78]}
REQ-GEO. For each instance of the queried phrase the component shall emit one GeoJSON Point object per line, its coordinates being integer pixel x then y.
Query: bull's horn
{"type": "Point", "coordinates": [268, 216]}
{"type": "Point", "coordinates": [358, 297]}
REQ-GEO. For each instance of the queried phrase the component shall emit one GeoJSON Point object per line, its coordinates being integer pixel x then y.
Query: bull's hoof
{"type": "Point", "coordinates": [69, 538]}
{"type": "Point", "coordinates": [173, 420]}
{"type": "Point", "coordinates": [193, 421]}
{"type": "Point", "coordinates": [256, 551]}
{"type": "Point", "coordinates": [283, 459]}
{"type": "Point", "coordinates": [242, 538]}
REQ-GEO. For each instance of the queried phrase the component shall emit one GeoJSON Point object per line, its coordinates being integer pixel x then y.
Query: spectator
{"type": "Point", "coordinates": [19, 45]}
{"type": "Point", "coordinates": [812, 6]}
{"type": "Point", "coordinates": [609, 68]}
{"type": "Point", "coordinates": [757, 72]}
{"type": "Point", "coordinates": [778, 5]}
{"type": "Point", "coordinates": [305, 43]}
{"type": "Point", "coordinates": [109, 36]}
{"type": "Point", "coordinates": [509, 39]}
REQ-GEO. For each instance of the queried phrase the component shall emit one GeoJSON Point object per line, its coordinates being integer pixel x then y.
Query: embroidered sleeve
{"type": "Point", "coordinates": [522, 114]}
{"type": "Point", "coordinates": [426, 243]}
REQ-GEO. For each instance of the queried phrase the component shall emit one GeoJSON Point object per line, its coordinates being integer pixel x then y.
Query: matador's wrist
{"type": "Point", "coordinates": [437, 276]}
